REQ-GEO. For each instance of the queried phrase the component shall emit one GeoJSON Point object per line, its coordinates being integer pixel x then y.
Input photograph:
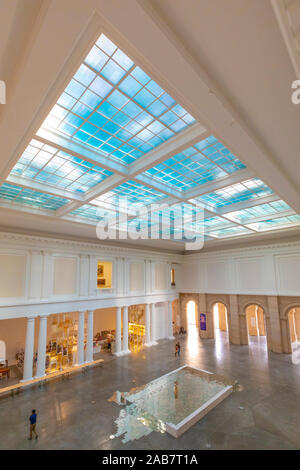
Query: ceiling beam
{"type": "Point", "coordinates": [246, 204]}
{"type": "Point", "coordinates": [43, 188]}
{"type": "Point", "coordinates": [206, 188]}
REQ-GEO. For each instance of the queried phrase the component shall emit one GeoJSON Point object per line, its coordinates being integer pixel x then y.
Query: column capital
{"type": "Point", "coordinates": [90, 311]}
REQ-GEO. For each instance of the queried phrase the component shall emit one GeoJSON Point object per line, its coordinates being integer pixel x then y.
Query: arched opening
{"type": "Point", "coordinates": [220, 321]}
{"type": "Point", "coordinates": [256, 326]}
{"type": "Point", "coordinates": [294, 327]}
{"type": "Point", "coordinates": [191, 317]}
{"type": "Point", "coordinates": [2, 352]}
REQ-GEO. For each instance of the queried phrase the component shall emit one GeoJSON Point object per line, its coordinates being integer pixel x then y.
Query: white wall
{"type": "Point", "coordinates": [161, 321]}
{"type": "Point", "coordinates": [41, 275]}
{"type": "Point", "coordinates": [264, 270]}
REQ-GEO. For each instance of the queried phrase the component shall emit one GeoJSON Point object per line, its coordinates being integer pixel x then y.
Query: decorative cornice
{"type": "Point", "coordinates": [46, 243]}
{"type": "Point", "coordinates": [254, 248]}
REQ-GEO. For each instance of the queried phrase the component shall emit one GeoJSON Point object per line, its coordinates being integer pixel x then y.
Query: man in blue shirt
{"type": "Point", "coordinates": [32, 420]}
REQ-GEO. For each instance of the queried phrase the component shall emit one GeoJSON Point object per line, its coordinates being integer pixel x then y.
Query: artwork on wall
{"type": "Point", "coordinates": [202, 321]}
{"type": "Point", "coordinates": [104, 274]}
{"type": "Point", "coordinates": [100, 271]}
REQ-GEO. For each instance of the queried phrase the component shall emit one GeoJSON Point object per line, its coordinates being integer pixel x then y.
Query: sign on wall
{"type": "Point", "coordinates": [203, 321]}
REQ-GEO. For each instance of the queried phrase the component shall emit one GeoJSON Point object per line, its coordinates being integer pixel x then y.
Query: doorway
{"type": "Point", "coordinates": [294, 327]}
{"type": "Point", "coordinates": [256, 326]}
{"type": "Point", "coordinates": [220, 322]}
{"type": "Point", "coordinates": [191, 317]}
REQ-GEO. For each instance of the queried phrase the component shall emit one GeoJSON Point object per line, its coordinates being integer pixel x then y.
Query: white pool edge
{"type": "Point", "coordinates": [177, 429]}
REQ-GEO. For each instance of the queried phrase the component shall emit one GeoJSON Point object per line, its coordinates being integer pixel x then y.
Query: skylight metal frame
{"type": "Point", "coordinates": [123, 173]}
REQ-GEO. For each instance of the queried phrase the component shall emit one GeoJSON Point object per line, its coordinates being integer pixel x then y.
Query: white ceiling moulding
{"type": "Point", "coordinates": [82, 247]}
{"type": "Point", "coordinates": [209, 104]}
{"type": "Point", "coordinates": [287, 14]}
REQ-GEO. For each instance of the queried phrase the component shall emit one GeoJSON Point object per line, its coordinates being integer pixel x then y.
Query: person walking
{"type": "Point", "coordinates": [178, 349]}
{"type": "Point", "coordinates": [32, 420]}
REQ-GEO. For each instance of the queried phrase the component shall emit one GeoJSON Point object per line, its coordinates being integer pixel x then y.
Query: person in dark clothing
{"type": "Point", "coordinates": [32, 420]}
{"type": "Point", "coordinates": [178, 349]}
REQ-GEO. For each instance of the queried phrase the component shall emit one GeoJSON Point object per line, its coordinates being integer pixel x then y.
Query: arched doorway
{"type": "Point", "coordinates": [294, 327]}
{"type": "Point", "coordinates": [2, 352]}
{"type": "Point", "coordinates": [191, 313]}
{"type": "Point", "coordinates": [256, 326]}
{"type": "Point", "coordinates": [220, 322]}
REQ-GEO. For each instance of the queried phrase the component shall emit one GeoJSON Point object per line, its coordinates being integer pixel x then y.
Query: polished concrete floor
{"type": "Point", "coordinates": [75, 413]}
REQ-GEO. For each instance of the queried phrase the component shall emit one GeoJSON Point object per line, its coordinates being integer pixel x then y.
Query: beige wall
{"type": "Point", "coordinates": [137, 277]}
{"type": "Point", "coordinates": [160, 276]}
{"type": "Point", "coordinates": [13, 333]}
{"type": "Point", "coordinates": [65, 274]}
{"type": "Point", "coordinates": [104, 319]}
{"type": "Point", "coordinates": [12, 275]}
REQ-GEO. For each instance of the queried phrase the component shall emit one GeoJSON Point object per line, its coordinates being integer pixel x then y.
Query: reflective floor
{"type": "Point", "coordinates": [75, 413]}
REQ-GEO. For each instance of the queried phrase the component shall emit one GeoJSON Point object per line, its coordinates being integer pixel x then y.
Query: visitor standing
{"type": "Point", "coordinates": [32, 420]}
{"type": "Point", "coordinates": [178, 349]}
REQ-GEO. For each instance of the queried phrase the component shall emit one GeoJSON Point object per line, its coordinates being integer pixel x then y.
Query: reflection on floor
{"type": "Point", "coordinates": [75, 413]}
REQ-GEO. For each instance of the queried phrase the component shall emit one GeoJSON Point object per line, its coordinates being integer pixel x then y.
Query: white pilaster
{"type": "Point", "coordinates": [80, 339]}
{"type": "Point", "coordinates": [125, 331]}
{"type": "Point", "coordinates": [90, 336]}
{"type": "Point", "coordinates": [170, 324]}
{"type": "Point", "coordinates": [118, 349]}
{"type": "Point", "coordinates": [29, 347]}
{"type": "Point", "coordinates": [148, 326]}
{"type": "Point", "coordinates": [42, 347]}
{"type": "Point", "coordinates": [153, 325]}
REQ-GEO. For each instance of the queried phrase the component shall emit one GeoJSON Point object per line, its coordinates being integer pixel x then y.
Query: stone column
{"type": "Point", "coordinates": [125, 331]}
{"type": "Point", "coordinates": [170, 324]}
{"type": "Point", "coordinates": [153, 342]}
{"type": "Point", "coordinates": [274, 324]}
{"type": "Point", "coordinates": [42, 347]}
{"type": "Point", "coordinates": [80, 339]}
{"type": "Point", "coordinates": [118, 349]}
{"type": "Point", "coordinates": [90, 337]}
{"type": "Point", "coordinates": [148, 326]}
{"type": "Point", "coordinates": [29, 347]}
{"type": "Point", "coordinates": [234, 320]}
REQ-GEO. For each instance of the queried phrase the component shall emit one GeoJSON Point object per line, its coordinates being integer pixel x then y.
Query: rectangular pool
{"type": "Point", "coordinates": [181, 398]}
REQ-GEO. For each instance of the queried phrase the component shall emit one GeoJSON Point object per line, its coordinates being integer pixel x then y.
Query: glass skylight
{"type": "Point", "coordinates": [17, 194]}
{"type": "Point", "coordinates": [245, 191]}
{"type": "Point", "coordinates": [134, 193]}
{"type": "Point", "coordinates": [93, 213]}
{"type": "Point", "coordinates": [275, 223]}
{"type": "Point", "coordinates": [113, 106]}
{"type": "Point", "coordinates": [46, 164]}
{"type": "Point", "coordinates": [208, 160]}
{"type": "Point", "coordinates": [246, 215]}
{"type": "Point", "coordinates": [229, 232]}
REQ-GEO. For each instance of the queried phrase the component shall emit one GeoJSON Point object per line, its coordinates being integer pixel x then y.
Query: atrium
{"type": "Point", "coordinates": [150, 224]}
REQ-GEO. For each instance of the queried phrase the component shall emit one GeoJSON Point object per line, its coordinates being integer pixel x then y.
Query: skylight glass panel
{"type": "Point", "coordinates": [245, 191]}
{"type": "Point", "coordinates": [204, 162]}
{"type": "Point", "coordinates": [276, 223]}
{"type": "Point", "coordinates": [246, 215]}
{"type": "Point", "coordinates": [133, 192]}
{"type": "Point", "coordinates": [17, 194]}
{"type": "Point", "coordinates": [48, 165]}
{"type": "Point", "coordinates": [113, 106]}
{"type": "Point", "coordinates": [93, 213]}
{"type": "Point", "coordinates": [229, 232]}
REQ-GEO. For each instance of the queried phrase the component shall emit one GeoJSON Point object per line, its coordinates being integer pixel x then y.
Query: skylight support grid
{"type": "Point", "coordinates": [112, 105]}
